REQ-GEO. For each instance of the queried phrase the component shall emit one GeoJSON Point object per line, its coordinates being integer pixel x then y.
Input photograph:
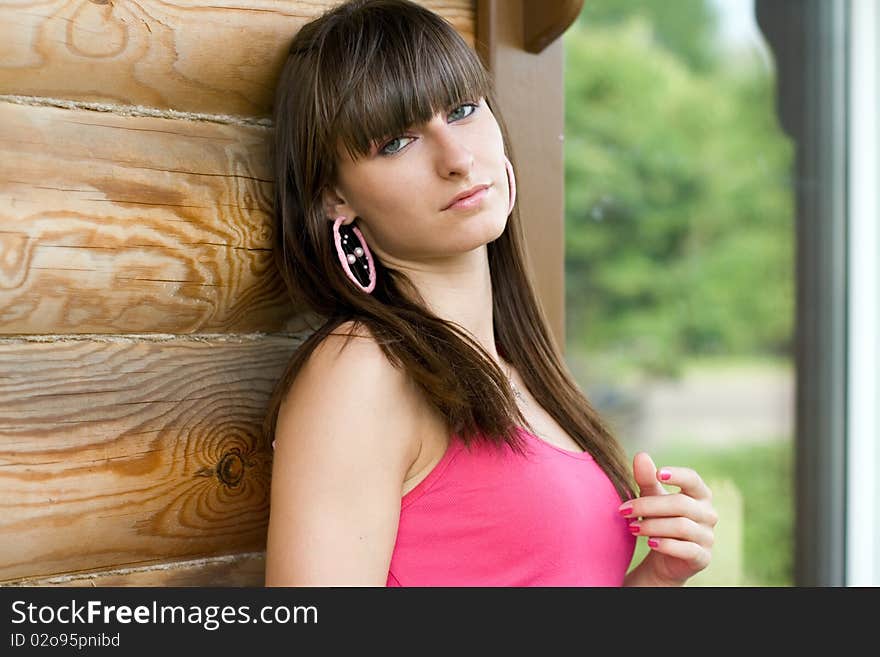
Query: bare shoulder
{"type": "Point", "coordinates": [346, 436]}
{"type": "Point", "coordinates": [348, 375]}
{"type": "Point", "coordinates": [350, 366]}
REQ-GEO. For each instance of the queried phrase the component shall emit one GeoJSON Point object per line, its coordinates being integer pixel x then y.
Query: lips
{"type": "Point", "coordinates": [465, 194]}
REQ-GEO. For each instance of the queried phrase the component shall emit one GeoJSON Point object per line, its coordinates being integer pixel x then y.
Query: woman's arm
{"type": "Point", "coordinates": [345, 440]}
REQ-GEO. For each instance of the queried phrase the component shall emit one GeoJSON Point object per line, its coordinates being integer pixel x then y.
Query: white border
{"type": "Point", "coordinates": [863, 355]}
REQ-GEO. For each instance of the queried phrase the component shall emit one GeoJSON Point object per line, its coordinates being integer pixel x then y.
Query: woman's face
{"type": "Point", "coordinates": [401, 188]}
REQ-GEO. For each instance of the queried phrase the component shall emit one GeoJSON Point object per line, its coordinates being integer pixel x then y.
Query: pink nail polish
{"type": "Point", "coordinates": [634, 528]}
{"type": "Point", "coordinates": [625, 511]}
{"type": "Point", "coordinates": [665, 474]}
{"type": "Point", "coordinates": [653, 542]}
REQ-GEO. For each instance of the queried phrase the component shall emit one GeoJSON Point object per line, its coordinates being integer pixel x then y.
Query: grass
{"type": "Point", "coordinates": [588, 366]}
{"type": "Point", "coordinates": [758, 480]}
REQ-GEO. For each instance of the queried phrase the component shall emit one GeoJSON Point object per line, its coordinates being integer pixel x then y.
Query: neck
{"type": "Point", "coordinates": [460, 290]}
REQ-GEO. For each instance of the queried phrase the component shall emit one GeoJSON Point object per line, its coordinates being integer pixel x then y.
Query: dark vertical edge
{"type": "Point", "coordinates": [484, 32]}
{"type": "Point", "coordinates": [809, 40]}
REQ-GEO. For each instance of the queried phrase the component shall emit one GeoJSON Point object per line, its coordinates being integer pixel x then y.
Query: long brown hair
{"type": "Point", "coordinates": [367, 69]}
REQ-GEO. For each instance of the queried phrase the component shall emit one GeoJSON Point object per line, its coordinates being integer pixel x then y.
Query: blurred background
{"type": "Point", "coordinates": [680, 243]}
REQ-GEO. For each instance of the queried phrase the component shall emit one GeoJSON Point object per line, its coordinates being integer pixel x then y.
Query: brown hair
{"type": "Point", "coordinates": [367, 69]}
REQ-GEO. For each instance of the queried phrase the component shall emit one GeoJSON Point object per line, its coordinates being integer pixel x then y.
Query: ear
{"type": "Point", "coordinates": [334, 205]}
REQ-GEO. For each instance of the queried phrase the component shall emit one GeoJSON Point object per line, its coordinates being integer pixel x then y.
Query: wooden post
{"type": "Point", "coordinates": [525, 58]}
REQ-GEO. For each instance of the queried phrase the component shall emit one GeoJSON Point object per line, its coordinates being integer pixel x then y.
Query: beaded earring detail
{"type": "Point", "coordinates": [357, 261]}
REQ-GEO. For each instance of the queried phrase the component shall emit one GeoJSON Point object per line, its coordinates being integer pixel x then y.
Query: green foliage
{"type": "Point", "coordinates": [684, 27]}
{"type": "Point", "coordinates": [679, 230]}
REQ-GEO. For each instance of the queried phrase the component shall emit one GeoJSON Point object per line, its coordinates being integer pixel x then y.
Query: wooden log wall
{"type": "Point", "coordinates": [142, 324]}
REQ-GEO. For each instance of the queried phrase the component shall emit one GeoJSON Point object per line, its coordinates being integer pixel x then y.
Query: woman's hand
{"type": "Point", "coordinates": [680, 526]}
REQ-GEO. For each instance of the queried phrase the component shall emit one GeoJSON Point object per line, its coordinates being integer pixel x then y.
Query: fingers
{"type": "Point", "coordinates": [645, 473]}
{"type": "Point", "coordinates": [675, 504]}
{"type": "Point", "coordinates": [683, 529]}
{"type": "Point", "coordinates": [678, 525]}
{"type": "Point", "coordinates": [696, 556]}
{"type": "Point", "coordinates": [687, 480]}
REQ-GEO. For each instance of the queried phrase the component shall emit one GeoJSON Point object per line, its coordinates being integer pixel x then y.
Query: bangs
{"type": "Point", "coordinates": [396, 70]}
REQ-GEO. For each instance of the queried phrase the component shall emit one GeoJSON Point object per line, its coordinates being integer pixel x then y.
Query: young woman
{"type": "Point", "coordinates": [428, 432]}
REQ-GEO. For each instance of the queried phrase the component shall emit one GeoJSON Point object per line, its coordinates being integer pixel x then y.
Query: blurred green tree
{"type": "Point", "coordinates": [679, 218]}
{"type": "Point", "coordinates": [684, 27]}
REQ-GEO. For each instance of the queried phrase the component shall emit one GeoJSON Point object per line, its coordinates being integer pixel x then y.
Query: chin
{"type": "Point", "coordinates": [473, 229]}
{"type": "Point", "coordinates": [488, 229]}
{"type": "Point", "coordinates": [498, 228]}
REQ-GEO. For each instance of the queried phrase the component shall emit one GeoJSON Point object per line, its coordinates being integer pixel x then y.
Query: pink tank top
{"type": "Point", "coordinates": [490, 517]}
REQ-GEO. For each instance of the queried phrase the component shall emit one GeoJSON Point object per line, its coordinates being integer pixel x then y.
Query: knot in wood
{"type": "Point", "coordinates": [230, 469]}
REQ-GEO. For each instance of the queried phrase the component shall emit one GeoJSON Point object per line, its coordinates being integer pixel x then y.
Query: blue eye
{"type": "Point", "coordinates": [383, 151]}
{"type": "Point", "coordinates": [474, 105]}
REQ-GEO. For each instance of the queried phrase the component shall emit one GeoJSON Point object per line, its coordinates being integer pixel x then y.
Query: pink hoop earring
{"type": "Point", "coordinates": [350, 255]}
{"type": "Point", "coordinates": [511, 184]}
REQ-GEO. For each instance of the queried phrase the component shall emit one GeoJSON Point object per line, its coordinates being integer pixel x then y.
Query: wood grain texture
{"type": "Point", "coordinates": [239, 570]}
{"type": "Point", "coordinates": [221, 57]}
{"type": "Point", "coordinates": [116, 224]}
{"type": "Point", "coordinates": [123, 452]}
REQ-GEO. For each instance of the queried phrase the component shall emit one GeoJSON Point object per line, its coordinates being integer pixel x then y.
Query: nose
{"type": "Point", "coordinates": [453, 154]}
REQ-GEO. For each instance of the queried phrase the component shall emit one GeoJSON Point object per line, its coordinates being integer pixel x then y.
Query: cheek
{"type": "Point", "coordinates": [388, 189]}
{"type": "Point", "coordinates": [492, 140]}
{"type": "Point", "coordinates": [395, 215]}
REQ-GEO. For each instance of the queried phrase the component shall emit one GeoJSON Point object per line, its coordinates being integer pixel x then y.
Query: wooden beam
{"type": "Point", "coordinates": [214, 58]}
{"type": "Point", "coordinates": [544, 21]}
{"type": "Point", "coordinates": [122, 452]}
{"type": "Point", "coordinates": [530, 90]}
{"type": "Point", "coordinates": [132, 224]}
{"type": "Point", "coordinates": [246, 569]}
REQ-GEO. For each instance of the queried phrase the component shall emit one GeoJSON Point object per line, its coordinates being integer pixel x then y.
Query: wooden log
{"type": "Point", "coordinates": [116, 224]}
{"type": "Point", "coordinates": [123, 452]}
{"type": "Point", "coordinates": [216, 58]}
{"type": "Point", "coordinates": [241, 570]}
